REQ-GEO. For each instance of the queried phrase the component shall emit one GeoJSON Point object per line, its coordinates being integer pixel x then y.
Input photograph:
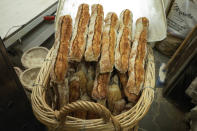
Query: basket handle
{"type": "Point", "coordinates": [88, 106]}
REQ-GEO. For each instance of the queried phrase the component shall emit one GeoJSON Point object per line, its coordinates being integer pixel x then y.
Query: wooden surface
{"type": "Point", "coordinates": [181, 70]}
{"type": "Point", "coordinates": [20, 12]}
{"type": "Point", "coordinates": [183, 54]}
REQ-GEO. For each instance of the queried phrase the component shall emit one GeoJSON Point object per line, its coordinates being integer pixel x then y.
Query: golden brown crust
{"type": "Point", "coordinates": [138, 56]}
{"type": "Point", "coordinates": [139, 67]}
{"type": "Point", "coordinates": [112, 39]}
{"type": "Point", "coordinates": [126, 17]}
{"type": "Point", "coordinates": [114, 93]}
{"type": "Point", "coordinates": [123, 46]}
{"type": "Point", "coordinates": [95, 29]}
{"type": "Point", "coordinates": [82, 81]}
{"type": "Point", "coordinates": [101, 86]}
{"type": "Point", "coordinates": [96, 44]}
{"type": "Point", "coordinates": [125, 49]}
{"type": "Point", "coordinates": [144, 20]}
{"type": "Point", "coordinates": [119, 107]}
{"type": "Point", "coordinates": [77, 90]}
{"type": "Point", "coordinates": [90, 85]}
{"type": "Point", "coordinates": [79, 42]}
{"type": "Point", "coordinates": [108, 43]}
{"type": "Point", "coordinates": [90, 79]}
{"type": "Point", "coordinates": [61, 64]}
{"type": "Point", "coordinates": [74, 89]}
{"type": "Point", "coordinates": [131, 96]}
{"type": "Point", "coordinates": [141, 55]}
{"type": "Point", "coordinates": [123, 79]}
{"type": "Point", "coordinates": [105, 65]}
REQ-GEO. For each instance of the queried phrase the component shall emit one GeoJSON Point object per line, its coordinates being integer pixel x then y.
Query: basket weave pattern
{"type": "Point", "coordinates": [59, 119]}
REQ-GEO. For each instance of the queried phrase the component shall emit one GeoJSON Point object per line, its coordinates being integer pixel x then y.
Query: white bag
{"type": "Point", "coordinates": [182, 17]}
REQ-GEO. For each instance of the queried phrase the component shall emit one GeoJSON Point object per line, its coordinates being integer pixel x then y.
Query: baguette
{"type": "Point", "coordinates": [100, 86]}
{"type": "Point", "coordinates": [108, 43]}
{"type": "Point", "coordinates": [137, 61]}
{"type": "Point", "coordinates": [50, 96]}
{"type": "Point", "coordinates": [74, 92]}
{"type": "Point", "coordinates": [90, 78]}
{"type": "Point", "coordinates": [78, 82]}
{"type": "Point", "coordinates": [82, 82]}
{"type": "Point", "coordinates": [60, 66]}
{"type": "Point", "coordinates": [61, 94]}
{"type": "Point", "coordinates": [114, 93]}
{"type": "Point", "coordinates": [78, 91]}
{"type": "Point", "coordinates": [123, 79]}
{"type": "Point", "coordinates": [78, 41]}
{"type": "Point", "coordinates": [124, 38]}
{"type": "Point", "coordinates": [119, 107]}
{"type": "Point", "coordinates": [61, 63]}
{"type": "Point", "coordinates": [63, 91]}
{"type": "Point", "coordinates": [95, 28]}
{"type": "Point", "coordinates": [74, 89]}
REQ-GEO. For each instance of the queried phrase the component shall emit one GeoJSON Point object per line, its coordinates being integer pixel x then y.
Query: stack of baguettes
{"type": "Point", "coordinates": [97, 60]}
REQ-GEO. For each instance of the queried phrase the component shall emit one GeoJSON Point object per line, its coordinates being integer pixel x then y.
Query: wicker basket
{"type": "Point", "coordinates": [34, 57]}
{"type": "Point", "coordinates": [28, 77]}
{"type": "Point", "coordinates": [59, 120]}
